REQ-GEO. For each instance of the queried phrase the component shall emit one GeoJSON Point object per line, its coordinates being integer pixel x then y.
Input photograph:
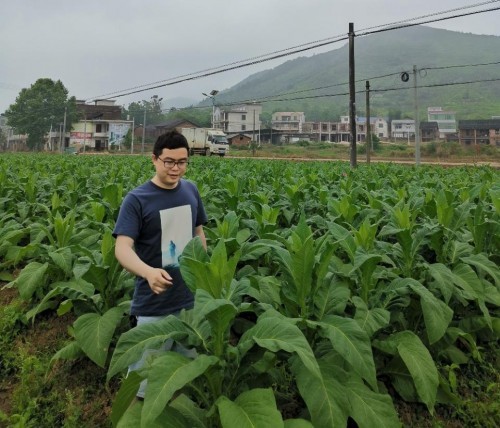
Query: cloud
{"type": "Point", "coordinates": [97, 47]}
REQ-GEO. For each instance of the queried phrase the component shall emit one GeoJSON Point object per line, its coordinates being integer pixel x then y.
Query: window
{"type": "Point", "coordinates": [243, 117]}
{"type": "Point", "coordinates": [98, 128]}
{"type": "Point", "coordinates": [380, 125]}
{"type": "Point", "coordinates": [243, 127]}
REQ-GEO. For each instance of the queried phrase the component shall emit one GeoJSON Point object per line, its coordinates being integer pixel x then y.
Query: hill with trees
{"type": "Point", "coordinates": [448, 63]}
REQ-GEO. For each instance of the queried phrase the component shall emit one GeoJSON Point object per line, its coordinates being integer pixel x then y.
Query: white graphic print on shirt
{"type": "Point", "coordinates": [176, 232]}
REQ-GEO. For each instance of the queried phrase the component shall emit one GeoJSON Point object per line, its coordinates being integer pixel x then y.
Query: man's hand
{"type": "Point", "coordinates": [159, 280]}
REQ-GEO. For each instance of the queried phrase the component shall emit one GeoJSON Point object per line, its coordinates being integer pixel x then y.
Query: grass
{"type": "Point", "coordinates": [432, 152]}
{"type": "Point", "coordinates": [34, 393]}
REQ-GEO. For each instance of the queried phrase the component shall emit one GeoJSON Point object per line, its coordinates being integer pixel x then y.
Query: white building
{"type": "Point", "coordinates": [290, 121]}
{"type": "Point", "coordinates": [403, 129]}
{"type": "Point", "coordinates": [240, 119]}
{"type": "Point", "coordinates": [445, 119]}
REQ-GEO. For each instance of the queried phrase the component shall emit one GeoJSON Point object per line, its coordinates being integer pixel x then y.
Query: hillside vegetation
{"type": "Point", "coordinates": [391, 52]}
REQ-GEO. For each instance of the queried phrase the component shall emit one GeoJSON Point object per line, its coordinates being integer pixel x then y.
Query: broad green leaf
{"type": "Point", "coordinates": [368, 408]}
{"type": "Point", "coordinates": [214, 276]}
{"type": "Point", "coordinates": [94, 332]}
{"type": "Point", "coordinates": [352, 343]}
{"type": "Point", "coordinates": [125, 395]}
{"type": "Point", "coordinates": [251, 409]}
{"type": "Point", "coordinates": [298, 423]}
{"type": "Point", "coordinates": [419, 363]}
{"type": "Point", "coordinates": [277, 334]}
{"type": "Point", "coordinates": [324, 396]}
{"type": "Point", "coordinates": [363, 267]}
{"type": "Point", "coordinates": [331, 297]}
{"type": "Point", "coordinates": [31, 278]}
{"type": "Point", "coordinates": [437, 314]}
{"type": "Point", "coordinates": [169, 373]}
{"type": "Point", "coordinates": [495, 198]}
{"type": "Point", "coordinates": [75, 290]}
{"type": "Point", "coordinates": [134, 342]}
{"type": "Point", "coordinates": [71, 351]}
{"type": "Point", "coordinates": [219, 314]}
{"type": "Point", "coordinates": [370, 320]}
{"type": "Point", "coordinates": [132, 418]}
{"type": "Point", "coordinates": [483, 264]}
{"type": "Point", "coordinates": [254, 250]}
{"type": "Point", "coordinates": [194, 415]}
{"type": "Point", "coordinates": [344, 238]}
{"type": "Point", "coordinates": [63, 259]}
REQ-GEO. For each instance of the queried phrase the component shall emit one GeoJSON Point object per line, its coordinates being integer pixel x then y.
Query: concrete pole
{"type": "Point", "coordinates": [64, 129]}
{"type": "Point", "coordinates": [352, 96]}
{"type": "Point", "coordinates": [368, 142]}
{"type": "Point", "coordinates": [417, 122]}
{"type": "Point", "coordinates": [133, 129]}
{"type": "Point", "coordinates": [143, 132]}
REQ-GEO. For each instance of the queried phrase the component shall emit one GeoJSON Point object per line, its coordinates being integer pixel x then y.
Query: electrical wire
{"type": "Point", "coordinates": [292, 50]}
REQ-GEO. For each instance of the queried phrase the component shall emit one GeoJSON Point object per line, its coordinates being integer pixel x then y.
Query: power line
{"type": "Point", "coordinates": [398, 27]}
{"type": "Point", "coordinates": [432, 14]}
{"type": "Point", "coordinates": [289, 51]}
{"type": "Point", "coordinates": [343, 94]}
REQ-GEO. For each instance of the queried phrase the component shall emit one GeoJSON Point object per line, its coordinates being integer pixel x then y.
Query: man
{"type": "Point", "coordinates": [156, 221]}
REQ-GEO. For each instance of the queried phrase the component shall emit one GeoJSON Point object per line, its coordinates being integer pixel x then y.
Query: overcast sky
{"type": "Point", "coordinates": [98, 47]}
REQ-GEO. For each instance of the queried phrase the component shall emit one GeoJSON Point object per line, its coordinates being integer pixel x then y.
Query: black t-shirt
{"type": "Point", "coordinates": [161, 222]}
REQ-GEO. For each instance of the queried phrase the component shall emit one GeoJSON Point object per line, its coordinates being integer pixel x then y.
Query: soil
{"type": "Point", "coordinates": [81, 381]}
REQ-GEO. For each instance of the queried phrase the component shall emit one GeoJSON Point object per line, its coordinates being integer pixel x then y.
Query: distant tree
{"type": "Point", "coordinates": [127, 141]}
{"type": "Point", "coordinates": [200, 116]}
{"type": "Point", "coordinates": [394, 114]}
{"type": "Point", "coordinates": [39, 108]}
{"type": "Point", "coordinates": [266, 119]}
{"type": "Point", "coordinates": [153, 109]}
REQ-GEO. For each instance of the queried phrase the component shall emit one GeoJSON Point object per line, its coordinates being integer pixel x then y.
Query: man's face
{"type": "Point", "coordinates": [170, 166]}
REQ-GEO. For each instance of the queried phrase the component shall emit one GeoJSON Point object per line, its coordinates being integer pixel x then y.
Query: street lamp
{"type": "Point", "coordinates": [212, 95]}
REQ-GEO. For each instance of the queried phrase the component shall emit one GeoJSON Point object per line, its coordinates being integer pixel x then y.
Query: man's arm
{"type": "Point", "coordinates": [201, 233]}
{"type": "Point", "coordinates": [158, 279]}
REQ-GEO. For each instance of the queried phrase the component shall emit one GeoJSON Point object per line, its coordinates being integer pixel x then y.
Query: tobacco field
{"type": "Point", "coordinates": [327, 294]}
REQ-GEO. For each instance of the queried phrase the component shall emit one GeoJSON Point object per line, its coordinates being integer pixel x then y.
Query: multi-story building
{"type": "Point", "coordinates": [290, 121]}
{"type": "Point", "coordinates": [378, 127]}
{"type": "Point", "coordinates": [99, 128]}
{"type": "Point", "coordinates": [332, 132]}
{"type": "Point", "coordinates": [445, 119]}
{"type": "Point", "coordinates": [240, 119]}
{"type": "Point", "coordinates": [403, 129]}
{"type": "Point", "coordinates": [477, 132]}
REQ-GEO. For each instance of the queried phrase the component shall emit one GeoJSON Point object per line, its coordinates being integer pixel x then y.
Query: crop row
{"type": "Point", "coordinates": [323, 287]}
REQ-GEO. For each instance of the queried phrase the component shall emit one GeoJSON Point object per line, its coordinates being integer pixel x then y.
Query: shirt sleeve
{"type": "Point", "coordinates": [128, 222]}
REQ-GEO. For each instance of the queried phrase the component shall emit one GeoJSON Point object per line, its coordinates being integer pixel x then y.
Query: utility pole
{"type": "Point", "coordinates": [85, 133]}
{"type": "Point", "coordinates": [352, 96]}
{"type": "Point", "coordinates": [212, 95]}
{"type": "Point", "coordinates": [368, 142]}
{"type": "Point", "coordinates": [133, 129]}
{"type": "Point", "coordinates": [64, 129]}
{"type": "Point", "coordinates": [60, 136]}
{"type": "Point", "coordinates": [417, 122]}
{"type": "Point", "coordinates": [253, 129]}
{"type": "Point", "coordinates": [143, 131]}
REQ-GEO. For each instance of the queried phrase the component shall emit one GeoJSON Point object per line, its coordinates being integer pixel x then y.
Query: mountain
{"type": "Point", "coordinates": [436, 53]}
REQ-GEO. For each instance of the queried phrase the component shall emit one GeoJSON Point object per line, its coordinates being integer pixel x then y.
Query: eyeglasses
{"type": "Point", "coordinates": [170, 163]}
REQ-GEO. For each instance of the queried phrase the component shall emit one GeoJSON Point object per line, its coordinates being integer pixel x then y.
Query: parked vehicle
{"type": "Point", "coordinates": [206, 141]}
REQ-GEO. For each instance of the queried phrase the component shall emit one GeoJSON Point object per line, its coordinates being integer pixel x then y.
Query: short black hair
{"type": "Point", "coordinates": [171, 139]}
